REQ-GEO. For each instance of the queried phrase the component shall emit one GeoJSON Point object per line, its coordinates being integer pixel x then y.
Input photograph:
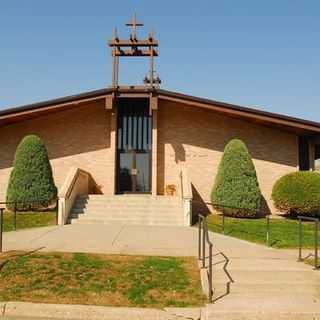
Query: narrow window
{"type": "Point", "coordinates": [304, 160]}
{"type": "Point", "coordinates": [317, 157]}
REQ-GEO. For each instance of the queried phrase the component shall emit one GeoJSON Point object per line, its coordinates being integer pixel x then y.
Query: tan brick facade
{"type": "Point", "coordinates": [84, 136]}
{"type": "Point", "coordinates": [76, 137]}
{"type": "Point", "coordinates": [195, 138]}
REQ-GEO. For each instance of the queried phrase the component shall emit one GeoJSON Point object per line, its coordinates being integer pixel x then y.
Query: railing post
{"type": "Point", "coordinates": [316, 244]}
{"type": "Point", "coordinates": [199, 238]}
{"type": "Point", "coordinates": [1, 227]}
{"type": "Point", "coordinates": [203, 244]}
{"type": "Point", "coordinates": [268, 231]}
{"type": "Point", "coordinates": [210, 273]}
{"type": "Point", "coordinates": [57, 211]}
{"type": "Point", "coordinates": [15, 217]}
{"type": "Point", "coordinates": [300, 240]}
{"type": "Point", "coordinates": [223, 221]}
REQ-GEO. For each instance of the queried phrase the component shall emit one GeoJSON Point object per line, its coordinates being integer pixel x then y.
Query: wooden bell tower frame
{"type": "Point", "coordinates": [134, 47]}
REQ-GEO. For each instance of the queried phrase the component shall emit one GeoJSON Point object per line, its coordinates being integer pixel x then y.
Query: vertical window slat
{"type": "Point", "coordinates": [129, 135]}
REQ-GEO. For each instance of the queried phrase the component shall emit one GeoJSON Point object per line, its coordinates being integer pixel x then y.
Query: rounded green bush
{"type": "Point", "coordinates": [31, 177]}
{"type": "Point", "coordinates": [236, 190]}
{"type": "Point", "coordinates": [298, 193]}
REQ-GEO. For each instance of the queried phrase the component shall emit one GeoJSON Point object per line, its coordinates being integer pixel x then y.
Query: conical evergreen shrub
{"type": "Point", "coordinates": [31, 177]}
{"type": "Point", "coordinates": [236, 190]}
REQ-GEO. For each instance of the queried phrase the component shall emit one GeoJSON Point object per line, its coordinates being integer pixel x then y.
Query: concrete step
{"type": "Point", "coordinates": [131, 200]}
{"type": "Point", "coordinates": [126, 195]}
{"type": "Point", "coordinates": [127, 209]}
{"type": "Point", "coordinates": [217, 315]}
{"type": "Point", "coordinates": [146, 201]}
{"type": "Point", "coordinates": [267, 277]}
{"type": "Point", "coordinates": [105, 211]}
{"type": "Point", "coordinates": [121, 206]}
{"type": "Point", "coordinates": [266, 288]}
{"type": "Point", "coordinates": [259, 264]}
{"type": "Point", "coordinates": [126, 199]}
{"type": "Point", "coordinates": [92, 206]}
{"type": "Point", "coordinates": [125, 215]}
{"type": "Point", "coordinates": [265, 302]}
{"type": "Point", "coordinates": [127, 222]}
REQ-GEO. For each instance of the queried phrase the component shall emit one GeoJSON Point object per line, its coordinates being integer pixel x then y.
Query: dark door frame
{"type": "Point", "coordinates": [134, 105]}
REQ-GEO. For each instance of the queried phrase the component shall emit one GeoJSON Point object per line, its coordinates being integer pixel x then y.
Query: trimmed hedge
{"type": "Point", "coordinates": [236, 190]}
{"type": "Point", "coordinates": [31, 177]}
{"type": "Point", "coordinates": [298, 193]}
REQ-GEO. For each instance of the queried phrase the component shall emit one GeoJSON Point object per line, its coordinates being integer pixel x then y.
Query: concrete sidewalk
{"type": "Point", "coordinates": [115, 239]}
{"type": "Point", "coordinates": [41, 311]}
{"type": "Point", "coordinates": [250, 281]}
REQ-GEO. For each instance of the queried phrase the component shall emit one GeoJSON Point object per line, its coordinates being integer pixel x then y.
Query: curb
{"type": "Point", "coordinates": [84, 312]}
{"type": "Point", "coordinates": [204, 279]}
{"type": "Point", "coordinates": [2, 308]}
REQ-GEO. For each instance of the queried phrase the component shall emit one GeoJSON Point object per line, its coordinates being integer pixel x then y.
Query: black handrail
{"type": "Point", "coordinates": [221, 208]}
{"type": "Point", "coordinates": [1, 227]}
{"type": "Point", "coordinates": [202, 240]}
{"type": "Point", "coordinates": [316, 238]}
{"type": "Point", "coordinates": [27, 202]}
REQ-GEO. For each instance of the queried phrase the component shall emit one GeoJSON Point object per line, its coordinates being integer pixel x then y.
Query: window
{"type": "Point", "coordinates": [304, 160]}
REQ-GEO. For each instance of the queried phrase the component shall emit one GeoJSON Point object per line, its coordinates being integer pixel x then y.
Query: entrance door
{"type": "Point", "coordinates": [134, 146]}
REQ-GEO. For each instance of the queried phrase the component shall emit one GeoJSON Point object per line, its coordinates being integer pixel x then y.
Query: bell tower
{"type": "Point", "coordinates": [134, 47]}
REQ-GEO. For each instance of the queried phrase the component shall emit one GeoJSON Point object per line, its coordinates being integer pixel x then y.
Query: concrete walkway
{"type": "Point", "coordinates": [115, 239]}
{"type": "Point", "coordinates": [250, 281]}
{"type": "Point", "coordinates": [40, 311]}
{"type": "Point", "coordinates": [256, 282]}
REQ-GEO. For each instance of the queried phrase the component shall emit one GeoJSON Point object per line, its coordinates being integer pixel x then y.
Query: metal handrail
{"type": "Point", "coordinates": [24, 201]}
{"type": "Point", "coordinates": [222, 226]}
{"type": "Point", "coordinates": [316, 238]}
{"type": "Point", "coordinates": [1, 227]}
{"type": "Point", "coordinates": [16, 206]}
{"type": "Point", "coordinates": [203, 238]}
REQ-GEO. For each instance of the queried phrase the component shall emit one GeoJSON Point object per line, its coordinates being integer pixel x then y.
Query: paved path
{"type": "Point", "coordinates": [250, 281]}
{"type": "Point", "coordinates": [116, 239]}
{"type": "Point", "coordinates": [256, 282]}
{"type": "Point", "coordinates": [40, 311]}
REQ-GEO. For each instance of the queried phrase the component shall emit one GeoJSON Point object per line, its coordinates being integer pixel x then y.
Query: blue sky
{"type": "Point", "coordinates": [263, 54]}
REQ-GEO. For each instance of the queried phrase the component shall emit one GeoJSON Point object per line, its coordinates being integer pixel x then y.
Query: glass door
{"type": "Point", "coordinates": [134, 145]}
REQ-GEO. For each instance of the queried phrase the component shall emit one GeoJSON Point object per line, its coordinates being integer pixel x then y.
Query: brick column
{"type": "Point", "coordinates": [113, 137]}
{"type": "Point", "coordinates": [154, 151]}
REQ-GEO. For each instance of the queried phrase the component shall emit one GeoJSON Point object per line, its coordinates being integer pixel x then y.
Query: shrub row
{"type": "Point", "coordinates": [236, 190]}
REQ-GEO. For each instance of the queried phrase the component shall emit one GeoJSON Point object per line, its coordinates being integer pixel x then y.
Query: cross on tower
{"type": "Point", "coordinates": [134, 47]}
{"type": "Point", "coordinates": [134, 24]}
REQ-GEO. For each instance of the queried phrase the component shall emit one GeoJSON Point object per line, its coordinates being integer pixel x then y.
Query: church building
{"type": "Point", "coordinates": [149, 150]}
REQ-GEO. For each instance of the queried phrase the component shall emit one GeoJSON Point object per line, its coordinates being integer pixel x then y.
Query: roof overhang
{"type": "Point", "coordinates": [282, 122]}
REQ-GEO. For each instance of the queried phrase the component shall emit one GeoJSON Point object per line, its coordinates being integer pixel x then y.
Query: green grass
{"type": "Point", "coordinates": [30, 219]}
{"type": "Point", "coordinates": [101, 280]}
{"type": "Point", "coordinates": [283, 232]}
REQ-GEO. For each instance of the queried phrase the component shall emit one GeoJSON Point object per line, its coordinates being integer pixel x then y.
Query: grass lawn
{"type": "Point", "coordinates": [27, 220]}
{"type": "Point", "coordinates": [283, 232]}
{"type": "Point", "coordinates": [101, 280]}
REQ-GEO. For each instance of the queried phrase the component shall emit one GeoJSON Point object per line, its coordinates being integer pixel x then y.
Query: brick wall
{"type": "Point", "coordinates": [76, 137]}
{"type": "Point", "coordinates": [195, 138]}
{"type": "Point", "coordinates": [188, 136]}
